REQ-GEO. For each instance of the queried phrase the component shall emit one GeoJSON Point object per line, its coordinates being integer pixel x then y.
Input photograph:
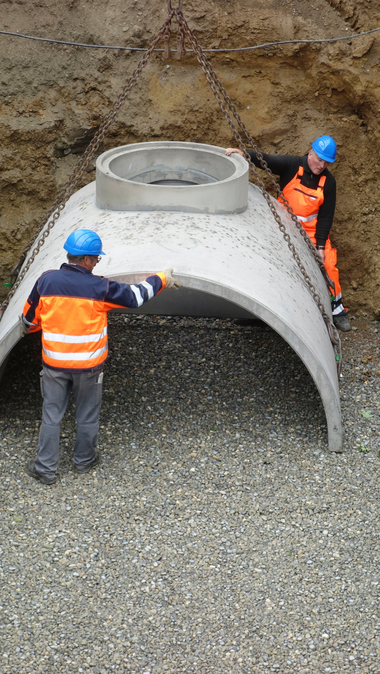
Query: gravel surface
{"type": "Point", "coordinates": [218, 533]}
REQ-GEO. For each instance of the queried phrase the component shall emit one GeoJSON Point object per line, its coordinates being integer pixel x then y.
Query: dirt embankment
{"type": "Point", "coordinates": [53, 98]}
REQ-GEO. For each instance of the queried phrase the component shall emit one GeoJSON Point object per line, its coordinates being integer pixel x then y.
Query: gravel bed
{"type": "Point", "coordinates": [218, 533]}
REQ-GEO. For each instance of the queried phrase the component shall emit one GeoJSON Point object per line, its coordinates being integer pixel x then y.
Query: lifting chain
{"type": "Point", "coordinates": [229, 112]}
{"type": "Point", "coordinates": [226, 105]}
{"type": "Point", "coordinates": [70, 186]}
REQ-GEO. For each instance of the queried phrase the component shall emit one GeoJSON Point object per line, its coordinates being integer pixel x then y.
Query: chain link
{"type": "Point", "coordinates": [179, 8]}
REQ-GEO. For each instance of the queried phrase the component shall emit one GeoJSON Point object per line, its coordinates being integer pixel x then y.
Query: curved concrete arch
{"type": "Point", "coordinates": [231, 264]}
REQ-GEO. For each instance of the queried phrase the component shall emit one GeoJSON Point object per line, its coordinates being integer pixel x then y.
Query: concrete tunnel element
{"type": "Point", "coordinates": [189, 206]}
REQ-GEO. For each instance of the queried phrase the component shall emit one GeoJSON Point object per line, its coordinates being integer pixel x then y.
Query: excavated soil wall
{"type": "Point", "coordinates": [53, 98]}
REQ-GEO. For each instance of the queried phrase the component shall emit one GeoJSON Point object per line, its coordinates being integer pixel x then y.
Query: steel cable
{"type": "Point", "coordinates": [223, 50]}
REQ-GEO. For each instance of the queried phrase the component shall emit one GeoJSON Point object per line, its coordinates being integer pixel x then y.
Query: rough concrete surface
{"type": "Point", "coordinates": [53, 98]}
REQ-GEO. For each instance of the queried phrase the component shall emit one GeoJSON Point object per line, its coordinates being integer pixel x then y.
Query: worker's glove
{"type": "Point", "coordinates": [321, 253]}
{"type": "Point", "coordinates": [171, 282]}
{"type": "Point", "coordinates": [23, 329]}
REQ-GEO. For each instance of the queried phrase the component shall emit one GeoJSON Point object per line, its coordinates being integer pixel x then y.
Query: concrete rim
{"type": "Point", "coordinates": [171, 175]}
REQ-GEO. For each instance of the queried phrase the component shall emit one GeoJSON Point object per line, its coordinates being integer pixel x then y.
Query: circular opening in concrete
{"type": "Point", "coordinates": [171, 176]}
{"type": "Point", "coordinates": [169, 166]}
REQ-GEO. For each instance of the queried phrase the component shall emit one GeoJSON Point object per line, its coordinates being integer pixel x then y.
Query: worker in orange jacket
{"type": "Point", "coordinates": [70, 307]}
{"type": "Point", "coordinates": [310, 189]}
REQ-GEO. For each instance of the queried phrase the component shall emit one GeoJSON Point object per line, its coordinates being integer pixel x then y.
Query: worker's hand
{"type": "Point", "coordinates": [171, 282]}
{"type": "Point", "coordinates": [23, 329]}
{"type": "Point", "coordinates": [321, 254]}
{"type": "Point", "coordinates": [233, 150]}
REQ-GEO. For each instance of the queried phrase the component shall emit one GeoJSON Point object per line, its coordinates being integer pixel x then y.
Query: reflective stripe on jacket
{"type": "Point", "coordinates": [305, 201]}
{"type": "Point", "coordinates": [70, 306]}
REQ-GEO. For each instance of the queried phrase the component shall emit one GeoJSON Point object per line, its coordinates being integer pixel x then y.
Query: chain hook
{"type": "Point", "coordinates": [167, 50]}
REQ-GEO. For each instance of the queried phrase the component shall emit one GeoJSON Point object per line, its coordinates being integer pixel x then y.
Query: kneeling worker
{"type": "Point", "coordinates": [311, 192]}
{"type": "Point", "coordinates": [70, 306]}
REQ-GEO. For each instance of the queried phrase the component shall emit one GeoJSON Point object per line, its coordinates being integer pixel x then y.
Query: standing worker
{"type": "Point", "coordinates": [311, 192]}
{"type": "Point", "coordinates": [70, 306]}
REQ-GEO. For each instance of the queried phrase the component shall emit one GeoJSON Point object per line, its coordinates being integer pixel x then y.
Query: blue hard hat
{"type": "Point", "coordinates": [84, 242]}
{"type": "Point", "coordinates": [325, 148]}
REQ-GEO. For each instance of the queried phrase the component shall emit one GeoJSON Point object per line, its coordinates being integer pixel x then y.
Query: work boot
{"type": "Point", "coordinates": [79, 469]}
{"type": "Point", "coordinates": [30, 469]}
{"type": "Point", "coordinates": [342, 322]}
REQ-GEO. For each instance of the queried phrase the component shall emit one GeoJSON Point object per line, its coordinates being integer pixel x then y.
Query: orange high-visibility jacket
{"type": "Point", "coordinates": [305, 201]}
{"type": "Point", "coordinates": [70, 306]}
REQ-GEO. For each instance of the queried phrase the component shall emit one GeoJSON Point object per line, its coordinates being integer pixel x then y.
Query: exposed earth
{"type": "Point", "coordinates": [54, 97]}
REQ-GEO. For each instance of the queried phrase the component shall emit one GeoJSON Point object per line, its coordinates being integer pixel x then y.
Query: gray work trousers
{"type": "Point", "coordinates": [55, 388]}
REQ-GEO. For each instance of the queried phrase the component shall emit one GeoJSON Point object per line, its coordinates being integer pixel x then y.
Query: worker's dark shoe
{"type": "Point", "coordinates": [342, 322]}
{"type": "Point", "coordinates": [30, 469]}
{"type": "Point", "coordinates": [90, 466]}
